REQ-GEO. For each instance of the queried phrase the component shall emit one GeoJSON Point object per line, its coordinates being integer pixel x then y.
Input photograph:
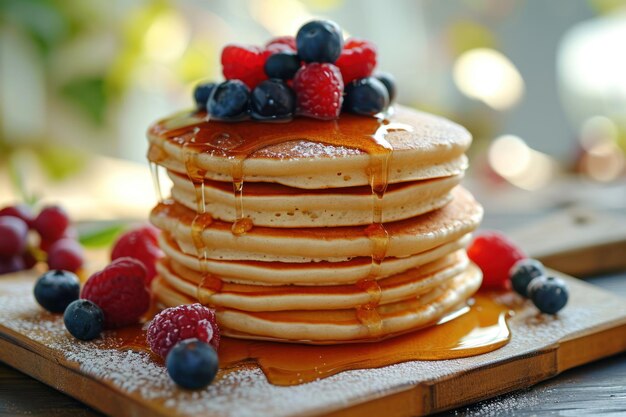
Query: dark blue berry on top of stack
{"type": "Point", "coordinates": [272, 99]}
{"type": "Point", "coordinates": [201, 94]}
{"type": "Point", "coordinates": [283, 65]}
{"type": "Point", "coordinates": [390, 83]}
{"type": "Point", "coordinates": [229, 100]}
{"type": "Point", "coordinates": [548, 294]}
{"type": "Point", "coordinates": [366, 96]}
{"type": "Point", "coordinates": [56, 289]}
{"type": "Point", "coordinates": [319, 41]}
{"type": "Point", "coordinates": [523, 272]}
{"type": "Point", "coordinates": [192, 364]}
{"type": "Point", "coordinates": [83, 319]}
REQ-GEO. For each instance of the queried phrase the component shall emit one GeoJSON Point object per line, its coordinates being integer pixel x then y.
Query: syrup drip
{"type": "Point", "coordinates": [156, 154]}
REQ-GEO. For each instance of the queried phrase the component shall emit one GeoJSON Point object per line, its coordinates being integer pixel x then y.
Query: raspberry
{"type": "Point", "coordinates": [21, 211]}
{"type": "Point", "coordinates": [175, 324]}
{"type": "Point", "coordinates": [120, 291]}
{"type": "Point", "coordinates": [51, 223]}
{"type": "Point", "coordinates": [495, 255]}
{"type": "Point", "coordinates": [282, 44]}
{"type": "Point", "coordinates": [140, 244]}
{"type": "Point", "coordinates": [245, 63]}
{"type": "Point", "coordinates": [66, 254]}
{"type": "Point", "coordinates": [357, 60]}
{"type": "Point", "coordinates": [319, 90]}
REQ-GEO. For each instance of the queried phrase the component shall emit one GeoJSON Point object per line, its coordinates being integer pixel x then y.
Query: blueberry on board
{"type": "Point", "coordinates": [524, 271]}
{"type": "Point", "coordinates": [390, 83]}
{"type": "Point", "coordinates": [319, 41]}
{"type": "Point", "coordinates": [548, 294]}
{"type": "Point", "coordinates": [56, 289]}
{"type": "Point", "coordinates": [229, 100]}
{"type": "Point", "coordinates": [272, 99]}
{"type": "Point", "coordinates": [366, 96]}
{"type": "Point", "coordinates": [283, 65]}
{"type": "Point", "coordinates": [192, 364]}
{"type": "Point", "coordinates": [201, 94]}
{"type": "Point", "coordinates": [83, 319]}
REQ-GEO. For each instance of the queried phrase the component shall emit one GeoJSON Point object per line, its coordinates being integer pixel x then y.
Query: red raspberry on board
{"type": "Point", "coordinates": [282, 44]}
{"type": "Point", "coordinates": [140, 244]}
{"type": "Point", "coordinates": [175, 324]}
{"type": "Point", "coordinates": [245, 63]}
{"type": "Point", "coordinates": [21, 211]}
{"type": "Point", "coordinates": [51, 223]}
{"type": "Point", "coordinates": [120, 291]}
{"type": "Point", "coordinates": [357, 60]}
{"type": "Point", "coordinates": [319, 90]}
{"type": "Point", "coordinates": [495, 255]}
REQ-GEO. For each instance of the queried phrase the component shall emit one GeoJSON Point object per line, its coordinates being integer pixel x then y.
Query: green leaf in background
{"type": "Point", "coordinates": [102, 237]}
{"type": "Point", "coordinates": [60, 162]}
{"type": "Point", "coordinates": [89, 95]}
{"type": "Point", "coordinates": [17, 180]}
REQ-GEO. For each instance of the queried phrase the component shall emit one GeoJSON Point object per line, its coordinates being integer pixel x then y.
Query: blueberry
{"type": "Point", "coordinates": [319, 41]}
{"type": "Point", "coordinates": [201, 94]}
{"type": "Point", "coordinates": [366, 96]}
{"type": "Point", "coordinates": [229, 100]}
{"type": "Point", "coordinates": [83, 319]}
{"type": "Point", "coordinates": [56, 289]}
{"type": "Point", "coordinates": [390, 83]}
{"type": "Point", "coordinates": [272, 99]}
{"type": "Point", "coordinates": [549, 294]}
{"type": "Point", "coordinates": [283, 65]}
{"type": "Point", "coordinates": [192, 364]}
{"type": "Point", "coordinates": [523, 272]}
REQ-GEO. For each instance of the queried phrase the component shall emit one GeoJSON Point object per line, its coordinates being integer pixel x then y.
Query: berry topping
{"type": "Point", "coordinates": [229, 100]}
{"type": "Point", "coordinates": [389, 82]}
{"type": "Point", "coordinates": [21, 211]}
{"type": "Point", "coordinates": [192, 364]}
{"type": "Point", "coordinates": [283, 65]}
{"type": "Point", "coordinates": [366, 96]}
{"type": "Point", "coordinates": [357, 60]}
{"type": "Point", "coordinates": [83, 319]}
{"type": "Point", "coordinates": [179, 323]}
{"type": "Point", "coordinates": [120, 291]}
{"type": "Point", "coordinates": [495, 255]}
{"type": "Point", "coordinates": [142, 245]}
{"type": "Point", "coordinates": [319, 41]}
{"type": "Point", "coordinates": [11, 264]}
{"type": "Point", "coordinates": [13, 233]}
{"type": "Point", "coordinates": [201, 94]}
{"type": "Point", "coordinates": [272, 99]}
{"type": "Point", "coordinates": [548, 294]}
{"type": "Point", "coordinates": [282, 44]}
{"type": "Point", "coordinates": [319, 90]}
{"type": "Point", "coordinates": [523, 272]}
{"type": "Point", "coordinates": [245, 63]}
{"type": "Point", "coordinates": [56, 289]}
{"type": "Point", "coordinates": [51, 223]}
{"type": "Point", "coordinates": [66, 254]}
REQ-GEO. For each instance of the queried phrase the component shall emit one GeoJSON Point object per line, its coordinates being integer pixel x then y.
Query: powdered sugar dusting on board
{"type": "Point", "coordinates": [245, 391]}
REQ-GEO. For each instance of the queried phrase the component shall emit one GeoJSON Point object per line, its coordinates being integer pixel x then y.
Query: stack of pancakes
{"type": "Point", "coordinates": [316, 231]}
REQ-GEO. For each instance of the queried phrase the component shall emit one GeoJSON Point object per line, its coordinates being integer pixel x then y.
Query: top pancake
{"type": "Point", "coordinates": [311, 154]}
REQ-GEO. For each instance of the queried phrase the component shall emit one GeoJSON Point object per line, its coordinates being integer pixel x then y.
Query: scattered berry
{"type": "Point", "coordinates": [11, 264]}
{"type": "Point", "coordinates": [120, 291]}
{"type": "Point", "coordinates": [494, 254]}
{"type": "Point", "coordinates": [319, 91]}
{"type": "Point", "coordinates": [245, 63]}
{"type": "Point", "coordinates": [66, 254]}
{"type": "Point", "coordinates": [389, 82]}
{"type": "Point", "coordinates": [548, 294]}
{"type": "Point", "coordinates": [366, 96]}
{"type": "Point", "coordinates": [524, 271]}
{"type": "Point", "coordinates": [21, 211]}
{"type": "Point", "coordinates": [51, 223]}
{"type": "Point", "coordinates": [13, 233]}
{"type": "Point", "coordinates": [201, 94]}
{"type": "Point", "coordinates": [182, 322]}
{"type": "Point", "coordinates": [192, 364]}
{"type": "Point", "coordinates": [29, 259]}
{"type": "Point", "coordinates": [283, 65]}
{"type": "Point", "coordinates": [282, 44]}
{"type": "Point", "coordinates": [319, 41]}
{"type": "Point", "coordinates": [272, 99]}
{"type": "Point", "coordinates": [229, 101]}
{"type": "Point", "coordinates": [56, 289]}
{"type": "Point", "coordinates": [83, 319]}
{"type": "Point", "coordinates": [357, 60]}
{"type": "Point", "coordinates": [142, 245]}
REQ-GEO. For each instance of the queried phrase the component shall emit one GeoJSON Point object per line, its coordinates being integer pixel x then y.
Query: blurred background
{"type": "Point", "coordinates": [540, 84]}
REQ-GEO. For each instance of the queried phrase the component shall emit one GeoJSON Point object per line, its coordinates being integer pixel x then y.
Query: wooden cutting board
{"type": "Point", "coordinates": [127, 383]}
